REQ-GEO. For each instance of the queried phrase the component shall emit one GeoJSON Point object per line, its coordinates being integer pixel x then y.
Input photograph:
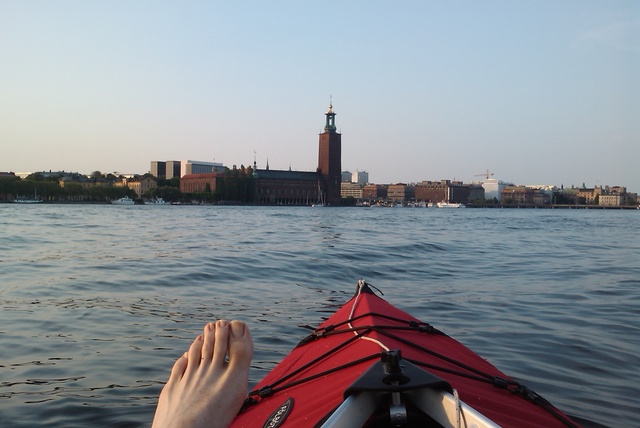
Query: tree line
{"type": "Point", "coordinates": [49, 189]}
{"type": "Point", "coordinates": [236, 185]}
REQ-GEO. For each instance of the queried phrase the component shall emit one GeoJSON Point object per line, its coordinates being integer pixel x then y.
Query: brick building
{"type": "Point", "coordinates": [285, 187]}
{"type": "Point", "coordinates": [518, 195]}
{"type": "Point", "coordinates": [400, 192]}
{"type": "Point", "coordinates": [588, 195]}
{"type": "Point", "coordinates": [198, 183]}
{"type": "Point", "coordinates": [374, 192]}
{"type": "Point", "coordinates": [305, 188]}
{"type": "Point", "coordinates": [449, 191]}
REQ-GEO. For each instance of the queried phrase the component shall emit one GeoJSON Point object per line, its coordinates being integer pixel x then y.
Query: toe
{"type": "Point", "coordinates": [208, 342]}
{"type": "Point", "coordinates": [240, 345]}
{"type": "Point", "coordinates": [221, 343]}
{"type": "Point", "coordinates": [178, 369]}
{"type": "Point", "coordinates": [194, 355]}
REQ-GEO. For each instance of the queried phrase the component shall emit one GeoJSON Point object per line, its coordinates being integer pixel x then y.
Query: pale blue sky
{"type": "Point", "coordinates": [539, 92]}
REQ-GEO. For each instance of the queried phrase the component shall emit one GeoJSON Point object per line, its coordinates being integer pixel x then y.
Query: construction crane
{"type": "Point", "coordinates": [486, 174]}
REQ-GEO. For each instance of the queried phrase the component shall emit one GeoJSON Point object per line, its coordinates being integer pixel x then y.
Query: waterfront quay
{"type": "Point", "coordinates": [557, 206]}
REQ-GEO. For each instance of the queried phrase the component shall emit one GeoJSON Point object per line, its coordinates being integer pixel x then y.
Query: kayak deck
{"type": "Point", "coordinates": [314, 384]}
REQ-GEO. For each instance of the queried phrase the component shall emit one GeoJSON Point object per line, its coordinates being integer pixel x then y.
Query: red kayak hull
{"type": "Point", "coordinates": [309, 402]}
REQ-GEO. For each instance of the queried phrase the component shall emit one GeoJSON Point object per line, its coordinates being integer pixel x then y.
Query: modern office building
{"type": "Point", "coordinates": [171, 169]}
{"type": "Point", "coordinates": [165, 169]}
{"type": "Point", "coordinates": [360, 177]}
{"type": "Point", "coordinates": [189, 167]}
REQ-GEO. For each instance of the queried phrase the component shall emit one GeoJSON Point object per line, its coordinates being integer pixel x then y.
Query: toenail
{"type": "Point", "coordinates": [237, 329]}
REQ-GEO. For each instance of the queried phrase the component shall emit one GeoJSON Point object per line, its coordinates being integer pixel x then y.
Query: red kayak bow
{"type": "Point", "coordinates": [316, 377]}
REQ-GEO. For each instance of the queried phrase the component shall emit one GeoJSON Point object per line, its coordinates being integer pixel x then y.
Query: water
{"type": "Point", "coordinates": [98, 301]}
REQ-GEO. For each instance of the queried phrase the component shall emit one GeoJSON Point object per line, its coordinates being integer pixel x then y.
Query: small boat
{"type": "Point", "coordinates": [35, 199]}
{"type": "Point", "coordinates": [157, 201]}
{"type": "Point", "coordinates": [373, 365]}
{"type": "Point", "coordinates": [445, 204]}
{"type": "Point", "coordinates": [27, 201]}
{"type": "Point", "coordinates": [123, 201]}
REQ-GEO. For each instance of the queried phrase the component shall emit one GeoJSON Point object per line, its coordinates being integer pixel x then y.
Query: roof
{"type": "Point", "coordinates": [271, 174]}
{"type": "Point", "coordinates": [203, 175]}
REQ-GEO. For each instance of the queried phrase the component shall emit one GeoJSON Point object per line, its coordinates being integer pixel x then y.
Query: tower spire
{"type": "Point", "coordinates": [330, 123]}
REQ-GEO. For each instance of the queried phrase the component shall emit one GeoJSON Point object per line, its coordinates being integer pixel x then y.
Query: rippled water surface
{"type": "Point", "coordinates": [98, 301]}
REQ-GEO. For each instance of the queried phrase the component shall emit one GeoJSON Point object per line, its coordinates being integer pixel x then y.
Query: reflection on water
{"type": "Point", "coordinates": [98, 301]}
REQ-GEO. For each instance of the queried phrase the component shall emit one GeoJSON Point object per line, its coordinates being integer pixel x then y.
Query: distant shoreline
{"type": "Point", "coordinates": [490, 206]}
{"type": "Point", "coordinates": [558, 207]}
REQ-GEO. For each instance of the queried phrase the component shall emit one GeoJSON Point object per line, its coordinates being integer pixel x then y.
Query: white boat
{"type": "Point", "coordinates": [27, 201]}
{"type": "Point", "coordinates": [158, 201]}
{"type": "Point", "coordinates": [35, 199]}
{"type": "Point", "coordinates": [123, 201]}
{"type": "Point", "coordinates": [445, 204]}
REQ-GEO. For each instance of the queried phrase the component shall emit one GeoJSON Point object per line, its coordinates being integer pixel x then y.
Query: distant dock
{"type": "Point", "coordinates": [557, 207]}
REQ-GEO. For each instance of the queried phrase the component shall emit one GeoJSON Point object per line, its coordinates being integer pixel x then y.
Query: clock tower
{"type": "Point", "coordinates": [329, 160]}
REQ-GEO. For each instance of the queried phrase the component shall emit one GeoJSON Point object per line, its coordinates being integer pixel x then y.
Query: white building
{"type": "Point", "coordinates": [360, 177]}
{"type": "Point", "coordinates": [493, 188]}
{"type": "Point", "coordinates": [189, 167]}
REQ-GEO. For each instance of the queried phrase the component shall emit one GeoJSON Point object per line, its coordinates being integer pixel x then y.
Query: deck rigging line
{"type": "Point", "coordinates": [359, 332]}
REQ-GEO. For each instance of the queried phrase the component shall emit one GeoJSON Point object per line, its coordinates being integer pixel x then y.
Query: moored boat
{"type": "Point", "coordinates": [27, 201]}
{"type": "Point", "coordinates": [35, 199]}
{"type": "Point", "coordinates": [372, 364]}
{"type": "Point", "coordinates": [445, 204]}
{"type": "Point", "coordinates": [123, 201]}
{"type": "Point", "coordinates": [157, 201]}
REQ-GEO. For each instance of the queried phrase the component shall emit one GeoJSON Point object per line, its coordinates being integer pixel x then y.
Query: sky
{"type": "Point", "coordinates": [540, 92]}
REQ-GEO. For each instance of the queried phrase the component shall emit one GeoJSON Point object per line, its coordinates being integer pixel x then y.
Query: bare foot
{"type": "Point", "coordinates": [204, 389]}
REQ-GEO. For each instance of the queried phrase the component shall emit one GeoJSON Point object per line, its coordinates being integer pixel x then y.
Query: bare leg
{"type": "Point", "coordinates": [204, 389]}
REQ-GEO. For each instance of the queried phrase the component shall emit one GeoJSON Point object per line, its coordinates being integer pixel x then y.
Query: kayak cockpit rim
{"type": "Point", "coordinates": [399, 383]}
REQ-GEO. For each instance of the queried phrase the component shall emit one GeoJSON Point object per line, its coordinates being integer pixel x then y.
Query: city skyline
{"type": "Point", "coordinates": [542, 93]}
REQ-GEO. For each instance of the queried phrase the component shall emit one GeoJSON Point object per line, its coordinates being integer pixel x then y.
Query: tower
{"type": "Point", "coordinates": [329, 160]}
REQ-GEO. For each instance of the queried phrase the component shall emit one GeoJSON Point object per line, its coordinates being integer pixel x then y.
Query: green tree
{"type": "Point", "coordinates": [49, 190]}
{"type": "Point", "coordinates": [73, 191]}
{"type": "Point", "coordinates": [7, 186]}
{"type": "Point", "coordinates": [36, 176]}
{"type": "Point", "coordinates": [172, 182]}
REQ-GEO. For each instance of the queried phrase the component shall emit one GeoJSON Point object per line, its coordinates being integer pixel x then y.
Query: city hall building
{"type": "Point", "coordinates": [283, 187]}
